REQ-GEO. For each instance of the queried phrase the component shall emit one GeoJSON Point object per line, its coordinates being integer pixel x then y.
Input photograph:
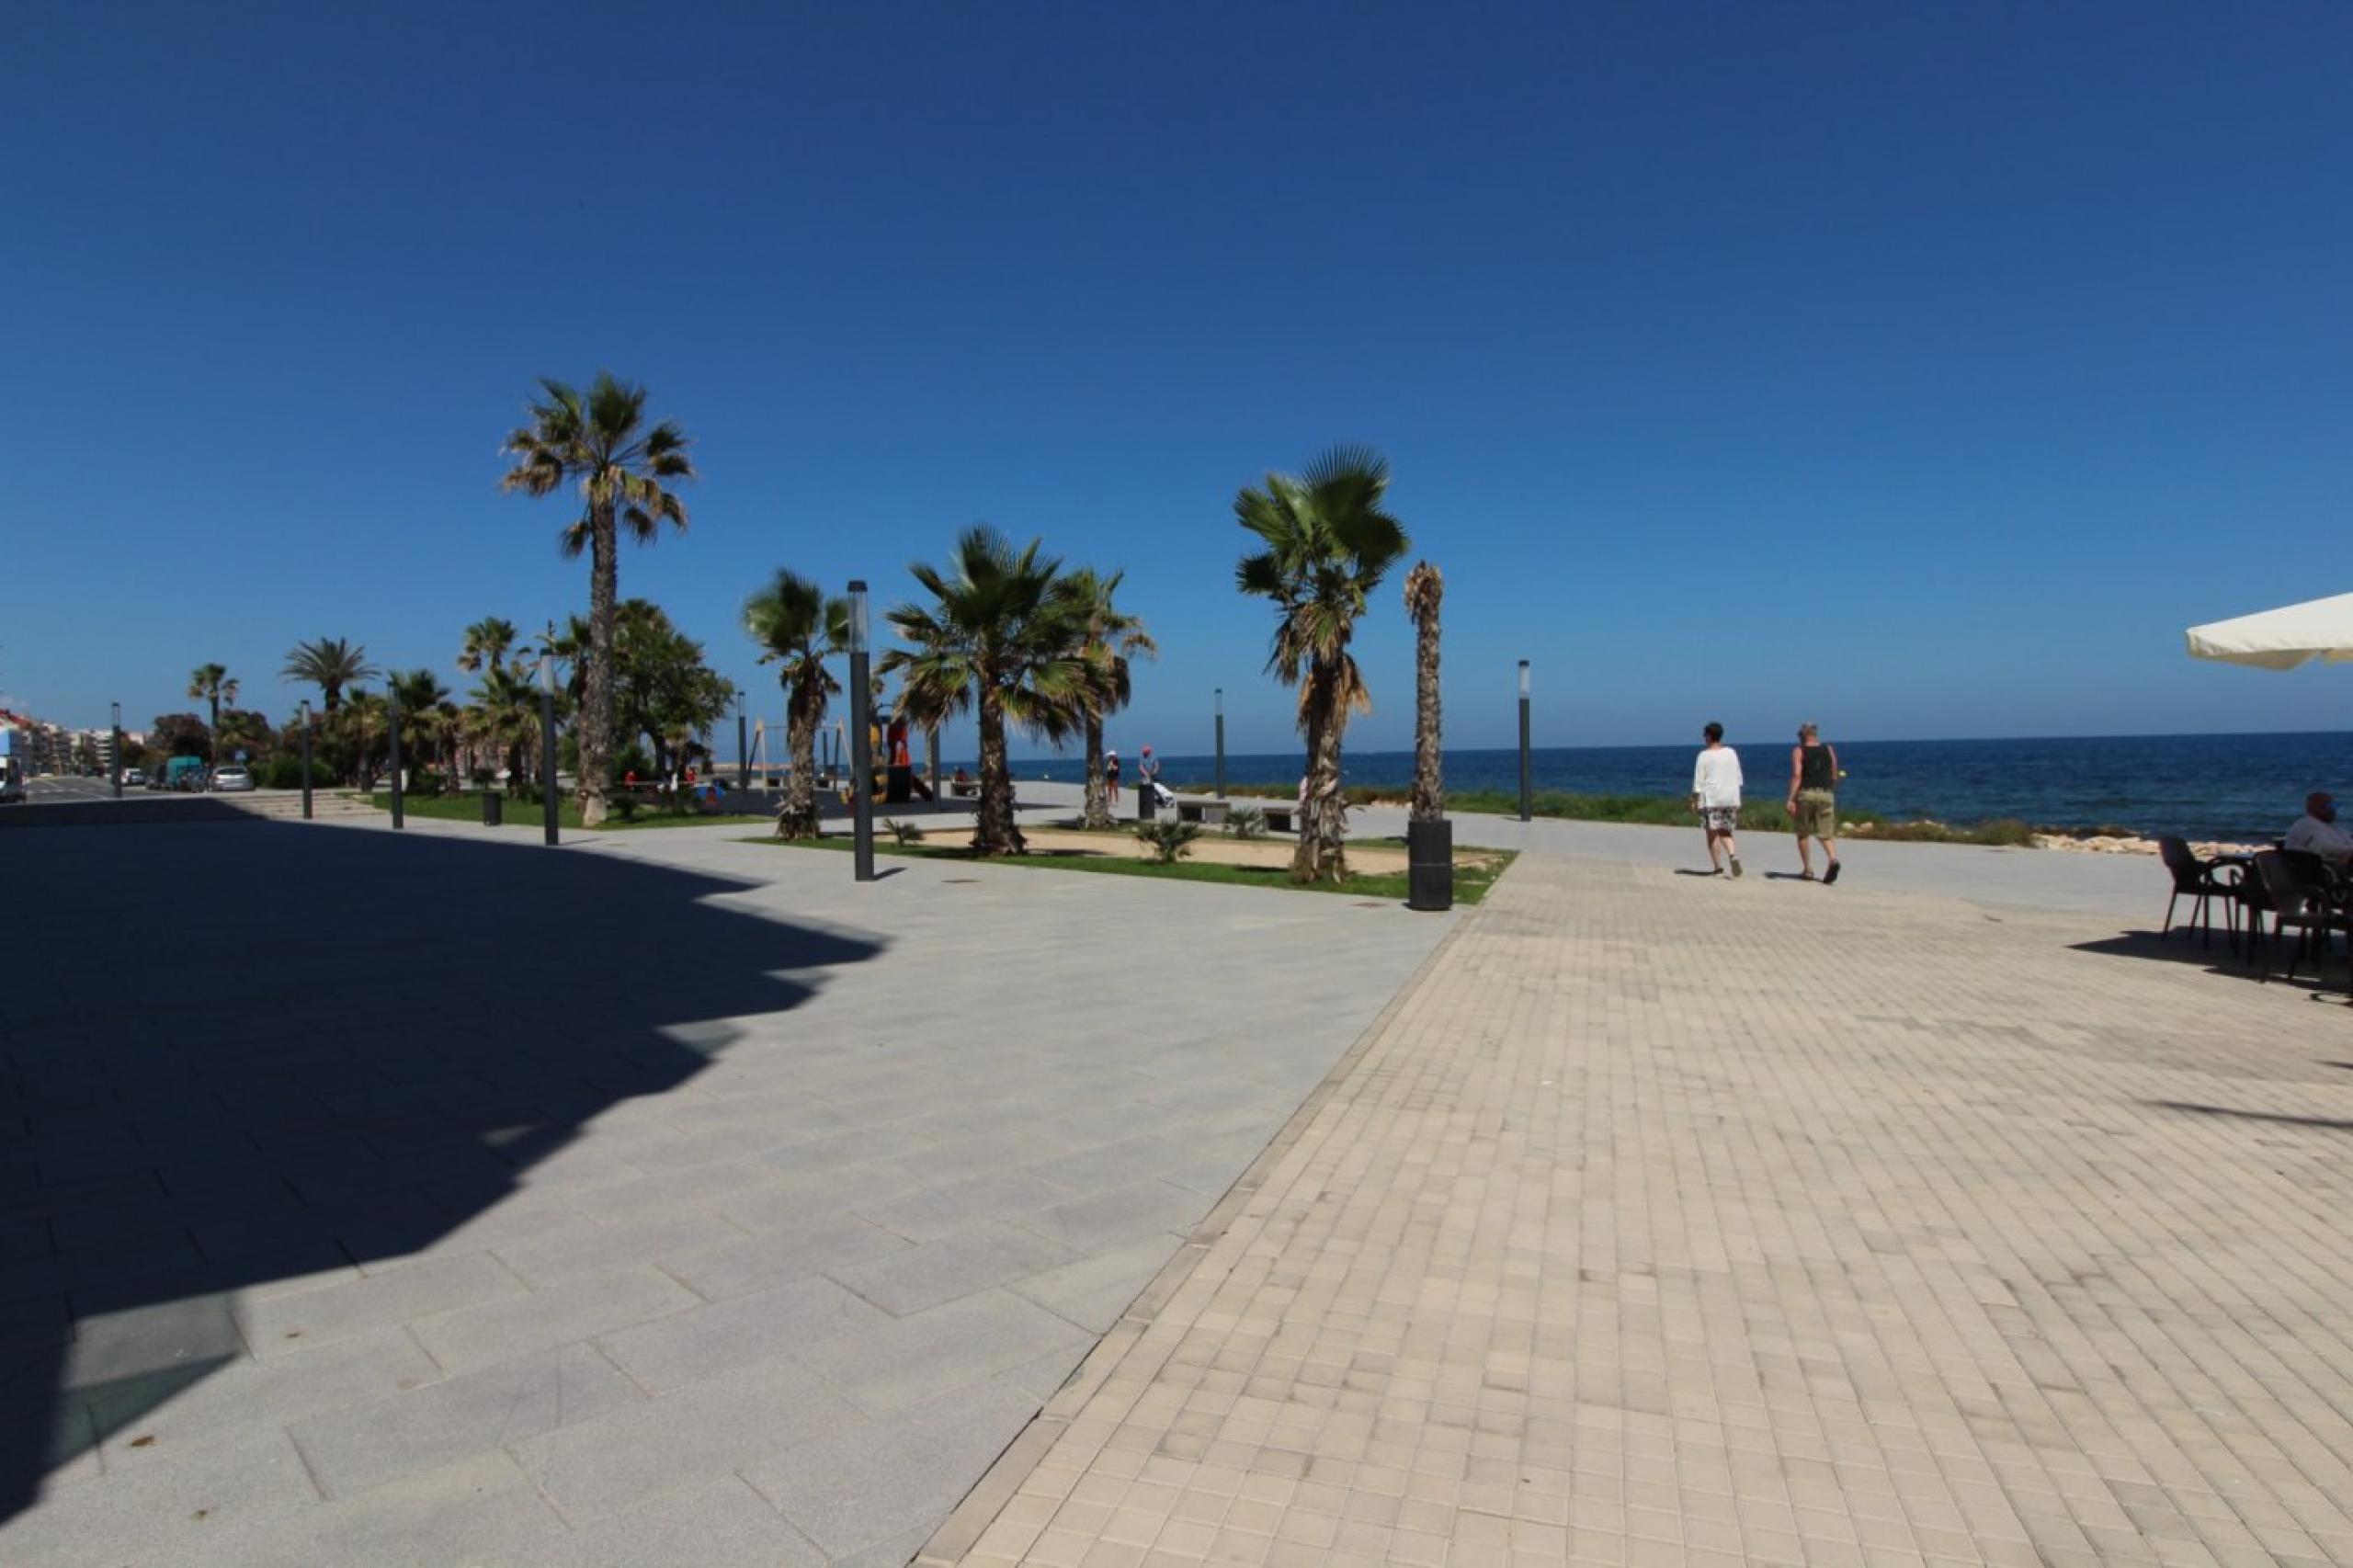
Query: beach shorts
{"type": "Point", "coordinates": [1817, 814]}
{"type": "Point", "coordinates": [1719, 819]}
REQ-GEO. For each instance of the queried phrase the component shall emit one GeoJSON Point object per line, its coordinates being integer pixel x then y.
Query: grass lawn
{"type": "Point", "coordinates": [1474, 874]}
{"type": "Point", "coordinates": [527, 814]}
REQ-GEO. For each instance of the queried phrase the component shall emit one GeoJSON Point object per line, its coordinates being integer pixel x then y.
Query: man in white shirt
{"type": "Point", "coordinates": [2316, 832]}
{"type": "Point", "coordinates": [1715, 795]}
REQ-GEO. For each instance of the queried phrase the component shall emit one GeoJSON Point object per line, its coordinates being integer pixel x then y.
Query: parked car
{"type": "Point", "coordinates": [183, 773]}
{"type": "Point", "coordinates": [232, 780]}
{"type": "Point", "coordinates": [135, 778]}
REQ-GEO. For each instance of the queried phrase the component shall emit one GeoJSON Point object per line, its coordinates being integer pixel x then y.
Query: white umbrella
{"type": "Point", "coordinates": [2281, 638]}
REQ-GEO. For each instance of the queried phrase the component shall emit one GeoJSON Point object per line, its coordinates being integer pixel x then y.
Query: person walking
{"type": "Point", "coordinates": [1814, 799]}
{"type": "Point", "coordinates": [1111, 776]}
{"type": "Point", "coordinates": [1715, 795]}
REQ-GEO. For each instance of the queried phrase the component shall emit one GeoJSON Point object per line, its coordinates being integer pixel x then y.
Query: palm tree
{"type": "Point", "coordinates": [364, 725]}
{"type": "Point", "coordinates": [425, 704]}
{"type": "Point", "coordinates": [798, 629]}
{"type": "Point", "coordinates": [486, 643]}
{"type": "Point", "coordinates": [504, 716]}
{"type": "Point", "coordinates": [1424, 588]}
{"type": "Point", "coordinates": [1329, 544]}
{"type": "Point", "coordinates": [330, 664]}
{"type": "Point", "coordinates": [1111, 639]}
{"type": "Point", "coordinates": [1001, 636]}
{"type": "Point", "coordinates": [211, 682]}
{"type": "Point", "coordinates": [600, 440]}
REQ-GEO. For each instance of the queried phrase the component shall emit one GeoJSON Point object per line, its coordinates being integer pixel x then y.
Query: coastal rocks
{"type": "Point", "coordinates": [2111, 844]}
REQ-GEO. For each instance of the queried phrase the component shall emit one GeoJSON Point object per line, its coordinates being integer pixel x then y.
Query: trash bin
{"type": "Point", "coordinates": [494, 808]}
{"type": "Point", "coordinates": [1146, 804]}
{"type": "Point", "coordinates": [1429, 865]}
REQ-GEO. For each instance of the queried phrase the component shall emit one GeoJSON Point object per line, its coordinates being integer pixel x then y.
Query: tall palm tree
{"type": "Point", "coordinates": [211, 682]}
{"type": "Point", "coordinates": [798, 629]}
{"type": "Point", "coordinates": [504, 716]}
{"type": "Point", "coordinates": [1001, 636]}
{"type": "Point", "coordinates": [600, 440]}
{"type": "Point", "coordinates": [330, 664]}
{"type": "Point", "coordinates": [1424, 588]}
{"type": "Point", "coordinates": [486, 643]}
{"type": "Point", "coordinates": [364, 728]}
{"type": "Point", "coordinates": [1329, 544]}
{"type": "Point", "coordinates": [1111, 638]}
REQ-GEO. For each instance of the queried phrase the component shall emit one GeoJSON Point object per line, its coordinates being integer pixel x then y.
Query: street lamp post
{"type": "Point", "coordinates": [393, 722]}
{"type": "Point", "coordinates": [550, 790]}
{"type": "Point", "coordinates": [861, 746]}
{"type": "Point", "coordinates": [1218, 698]}
{"type": "Point", "coordinates": [306, 759]}
{"type": "Point", "coordinates": [1524, 798]}
{"type": "Point", "coordinates": [743, 745]}
{"type": "Point", "coordinates": [114, 753]}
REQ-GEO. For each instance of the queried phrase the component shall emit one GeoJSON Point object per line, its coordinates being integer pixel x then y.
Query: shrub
{"type": "Point", "coordinates": [905, 832]}
{"type": "Point", "coordinates": [624, 807]}
{"type": "Point", "coordinates": [284, 773]}
{"type": "Point", "coordinates": [1247, 821]}
{"type": "Point", "coordinates": [1169, 839]}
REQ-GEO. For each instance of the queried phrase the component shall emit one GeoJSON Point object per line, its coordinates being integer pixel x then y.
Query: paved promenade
{"type": "Point", "coordinates": [1670, 1220]}
{"type": "Point", "coordinates": [662, 1200]}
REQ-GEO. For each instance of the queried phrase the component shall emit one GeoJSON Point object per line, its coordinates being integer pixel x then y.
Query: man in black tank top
{"type": "Point", "coordinates": [1813, 799]}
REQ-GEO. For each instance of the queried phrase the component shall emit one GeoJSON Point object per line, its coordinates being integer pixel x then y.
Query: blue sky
{"type": "Point", "coordinates": [1923, 368]}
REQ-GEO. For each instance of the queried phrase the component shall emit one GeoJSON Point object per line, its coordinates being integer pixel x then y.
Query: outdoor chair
{"type": "Point", "coordinates": [2301, 900]}
{"type": "Point", "coordinates": [2204, 882]}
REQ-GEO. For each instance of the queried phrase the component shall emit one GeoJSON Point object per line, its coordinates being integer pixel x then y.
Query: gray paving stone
{"type": "Point", "coordinates": [708, 1340]}
{"type": "Point", "coordinates": [362, 1445]}
{"type": "Point", "coordinates": [1119, 1215]}
{"type": "Point", "coordinates": [248, 1393]}
{"type": "Point", "coordinates": [958, 1265]}
{"type": "Point", "coordinates": [281, 1325]}
{"type": "Point", "coordinates": [1094, 1291]}
{"type": "Point", "coordinates": [482, 1511]}
{"type": "Point", "coordinates": [792, 1201]}
{"type": "Point", "coordinates": [1110, 1164]}
{"type": "Point", "coordinates": [692, 1435]}
{"type": "Point", "coordinates": [812, 1244]}
{"type": "Point", "coordinates": [582, 1307]}
{"type": "Point", "coordinates": [564, 1249]}
{"type": "Point", "coordinates": [896, 1474]}
{"type": "Point", "coordinates": [939, 1211]}
{"type": "Point", "coordinates": [160, 1502]}
{"type": "Point", "coordinates": [724, 1521]}
{"type": "Point", "coordinates": [902, 1362]}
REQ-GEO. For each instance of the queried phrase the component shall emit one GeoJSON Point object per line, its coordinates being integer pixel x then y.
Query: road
{"type": "Point", "coordinates": [38, 791]}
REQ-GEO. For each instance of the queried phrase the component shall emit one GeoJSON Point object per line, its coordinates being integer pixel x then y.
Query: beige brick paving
{"type": "Point", "coordinates": [1667, 1221]}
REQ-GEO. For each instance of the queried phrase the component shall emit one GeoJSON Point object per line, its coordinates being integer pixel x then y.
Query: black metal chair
{"type": "Point", "coordinates": [2304, 899]}
{"type": "Point", "coordinates": [2204, 882]}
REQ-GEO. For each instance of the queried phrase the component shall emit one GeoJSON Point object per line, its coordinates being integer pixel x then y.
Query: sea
{"type": "Point", "coordinates": [2203, 787]}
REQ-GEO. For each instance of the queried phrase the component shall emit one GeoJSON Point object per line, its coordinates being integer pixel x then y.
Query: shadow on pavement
{"type": "Point", "coordinates": [2284, 1119]}
{"type": "Point", "coordinates": [247, 1053]}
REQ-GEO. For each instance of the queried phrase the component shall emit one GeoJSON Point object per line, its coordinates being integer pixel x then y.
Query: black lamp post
{"type": "Point", "coordinates": [861, 744]}
{"type": "Point", "coordinates": [115, 752]}
{"type": "Point", "coordinates": [393, 722]}
{"type": "Point", "coordinates": [551, 793]}
{"type": "Point", "coordinates": [306, 759]}
{"type": "Point", "coordinates": [743, 745]}
{"type": "Point", "coordinates": [1524, 799]}
{"type": "Point", "coordinates": [1218, 698]}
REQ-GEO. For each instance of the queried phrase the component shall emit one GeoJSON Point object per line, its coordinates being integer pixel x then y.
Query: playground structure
{"type": "Point", "coordinates": [896, 780]}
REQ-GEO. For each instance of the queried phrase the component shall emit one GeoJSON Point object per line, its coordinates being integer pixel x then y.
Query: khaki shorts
{"type": "Point", "coordinates": [1817, 814]}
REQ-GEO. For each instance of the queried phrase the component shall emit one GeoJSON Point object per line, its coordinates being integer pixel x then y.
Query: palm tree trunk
{"type": "Point", "coordinates": [1098, 796]}
{"type": "Point", "coordinates": [1429, 792]}
{"type": "Point", "coordinates": [1324, 827]}
{"type": "Point", "coordinates": [799, 818]}
{"type": "Point", "coordinates": [596, 689]}
{"type": "Point", "coordinates": [995, 831]}
{"type": "Point", "coordinates": [931, 758]}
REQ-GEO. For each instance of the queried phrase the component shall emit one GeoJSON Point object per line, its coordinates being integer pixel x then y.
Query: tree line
{"type": "Point", "coordinates": [1007, 633]}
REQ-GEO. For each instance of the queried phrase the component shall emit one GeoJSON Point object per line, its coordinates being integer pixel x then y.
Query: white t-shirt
{"type": "Point", "coordinates": [1716, 779]}
{"type": "Point", "coordinates": [2318, 838]}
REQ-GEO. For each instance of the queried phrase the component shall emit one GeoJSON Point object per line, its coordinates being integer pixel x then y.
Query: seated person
{"type": "Point", "coordinates": [2316, 832]}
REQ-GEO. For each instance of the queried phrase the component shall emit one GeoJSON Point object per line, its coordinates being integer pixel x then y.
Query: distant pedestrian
{"type": "Point", "coordinates": [1112, 774]}
{"type": "Point", "coordinates": [1715, 795]}
{"type": "Point", "coordinates": [1814, 799]}
{"type": "Point", "coordinates": [1148, 778]}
